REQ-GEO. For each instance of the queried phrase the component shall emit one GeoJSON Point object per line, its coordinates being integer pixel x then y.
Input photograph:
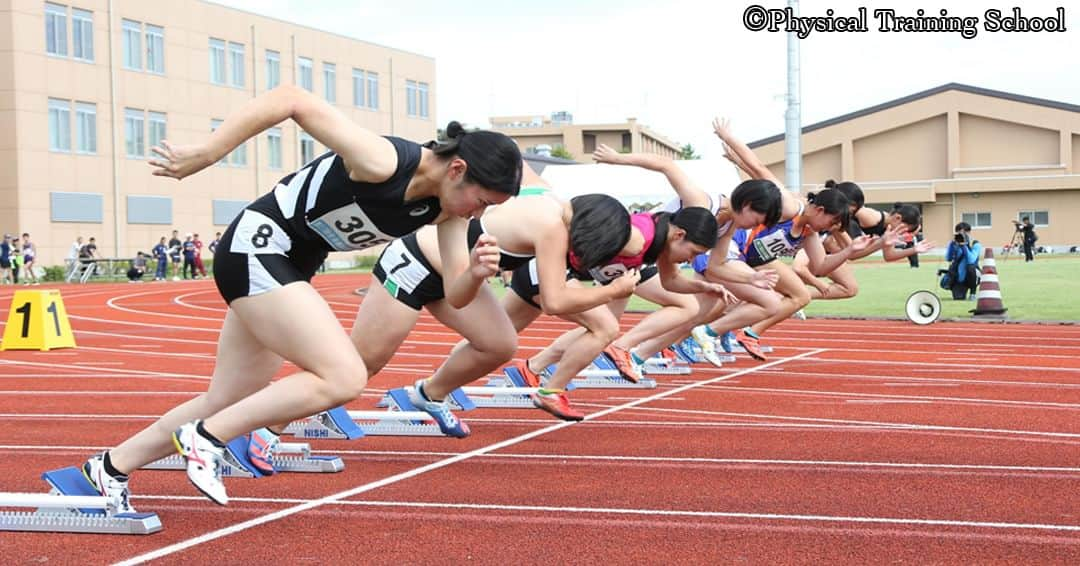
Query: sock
{"type": "Point", "coordinates": [424, 395]}
{"type": "Point", "coordinates": [750, 332]}
{"type": "Point", "coordinates": [203, 432]}
{"type": "Point", "coordinates": [710, 331]}
{"type": "Point", "coordinates": [546, 391]}
{"type": "Point", "coordinates": [111, 470]}
{"type": "Point", "coordinates": [637, 359]}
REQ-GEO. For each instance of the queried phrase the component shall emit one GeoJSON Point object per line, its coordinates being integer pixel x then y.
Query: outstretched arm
{"type": "Point", "coordinates": [368, 156]}
{"type": "Point", "coordinates": [689, 193]}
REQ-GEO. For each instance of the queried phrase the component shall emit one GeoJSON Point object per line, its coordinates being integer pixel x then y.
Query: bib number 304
{"type": "Point", "coordinates": [348, 228]}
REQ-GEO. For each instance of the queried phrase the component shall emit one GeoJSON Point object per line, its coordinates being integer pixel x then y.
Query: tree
{"type": "Point", "coordinates": [687, 152]}
{"type": "Point", "coordinates": [561, 152]}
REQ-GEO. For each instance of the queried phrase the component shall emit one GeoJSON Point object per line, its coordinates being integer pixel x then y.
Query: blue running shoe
{"type": "Point", "coordinates": [687, 351]}
{"type": "Point", "coordinates": [726, 340]}
{"type": "Point", "coordinates": [439, 410]}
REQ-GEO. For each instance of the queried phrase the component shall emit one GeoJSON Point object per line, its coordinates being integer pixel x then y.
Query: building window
{"type": "Point", "coordinates": [358, 88]}
{"type": "Point", "coordinates": [236, 64]}
{"type": "Point", "coordinates": [273, 147]}
{"type": "Point", "coordinates": [977, 219]}
{"type": "Point", "coordinates": [214, 125]}
{"type": "Point", "coordinates": [589, 143]}
{"type": "Point", "coordinates": [372, 90]}
{"type": "Point", "coordinates": [157, 127]}
{"type": "Point", "coordinates": [410, 98]}
{"type": "Point", "coordinates": [329, 77]}
{"type": "Point", "coordinates": [155, 49]}
{"type": "Point", "coordinates": [82, 35]}
{"type": "Point", "coordinates": [303, 75]}
{"type": "Point", "coordinates": [627, 143]}
{"type": "Point", "coordinates": [56, 29]}
{"type": "Point", "coordinates": [273, 69]}
{"type": "Point", "coordinates": [1040, 218]}
{"type": "Point", "coordinates": [307, 148]}
{"type": "Point", "coordinates": [217, 61]}
{"type": "Point", "coordinates": [422, 95]}
{"type": "Point", "coordinates": [85, 127]}
{"type": "Point", "coordinates": [132, 45]}
{"type": "Point", "coordinates": [134, 133]}
{"type": "Point", "coordinates": [59, 125]}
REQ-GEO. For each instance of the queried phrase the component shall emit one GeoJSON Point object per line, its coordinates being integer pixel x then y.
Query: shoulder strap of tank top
{"type": "Point", "coordinates": [659, 238]}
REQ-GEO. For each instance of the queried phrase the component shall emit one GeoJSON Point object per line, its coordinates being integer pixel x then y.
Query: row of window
{"type": "Point", "coordinates": [1040, 218]}
{"type": "Point", "coordinates": [141, 209]}
{"type": "Point", "coordinates": [144, 50]}
{"type": "Point", "coordinates": [144, 129]}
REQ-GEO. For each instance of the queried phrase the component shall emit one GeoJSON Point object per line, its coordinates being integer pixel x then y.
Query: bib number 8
{"type": "Point", "coordinates": [262, 236]}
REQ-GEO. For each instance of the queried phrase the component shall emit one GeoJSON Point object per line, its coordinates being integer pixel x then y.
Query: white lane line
{"type": "Point", "coordinates": [216, 534]}
{"type": "Point", "coordinates": [631, 511]}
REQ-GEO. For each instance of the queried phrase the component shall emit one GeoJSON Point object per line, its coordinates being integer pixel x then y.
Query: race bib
{"type": "Point", "coordinates": [607, 273]}
{"type": "Point", "coordinates": [773, 245]}
{"type": "Point", "coordinates": [403, 271]}
{"type": "Point", "coordinates": [348, 228]}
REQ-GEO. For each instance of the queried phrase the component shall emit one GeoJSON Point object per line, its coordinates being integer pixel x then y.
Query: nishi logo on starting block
{"type": "Point", "coordinates": [37, 320]}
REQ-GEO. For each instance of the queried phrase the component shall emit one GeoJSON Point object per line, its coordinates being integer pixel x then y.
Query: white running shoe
{"type": "Point", "coordinates": [106, 485]}
{"type": "Point", "coordinates": [204, 461]}
{"type": "Point", "coordinates": [799, 314]}
{"type": "Point", "coordinates": [707, 345]}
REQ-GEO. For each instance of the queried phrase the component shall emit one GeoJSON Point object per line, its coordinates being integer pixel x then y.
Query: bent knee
{"type": "Point", "coordinates": [345, 380]}
{"type": "Point", "coordinates": [606, 330]}
{"type": "Point", "coordinates": [503, 346]}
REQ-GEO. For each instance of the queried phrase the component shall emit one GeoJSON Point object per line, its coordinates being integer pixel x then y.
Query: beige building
{"type": "Point", "coordinates": [532, 133]}
{"type": "Point", "coordinates": [88, 86]}
{"type": "Point", "coordinates": [962, 153]}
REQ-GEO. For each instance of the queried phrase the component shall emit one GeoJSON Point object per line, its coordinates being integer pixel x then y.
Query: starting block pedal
{"type": "Point", "coordinates": [72, 506]}
{"type": "Point", "coordinates": [288, 457]}
{"type": "Point", "coordinates": [602, 374]}
{"type": "Point", "coordinates": [660, 365]}
{"type": "Point", "coordinates": [403, 419]}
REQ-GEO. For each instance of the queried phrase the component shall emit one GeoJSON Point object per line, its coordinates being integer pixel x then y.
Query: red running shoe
{"type": "Point", "coordinates": [750, 344]}
{"type": "Point", "coordinates": [627, 368]}
{"type": "Point", "coordinates": [557, 404]}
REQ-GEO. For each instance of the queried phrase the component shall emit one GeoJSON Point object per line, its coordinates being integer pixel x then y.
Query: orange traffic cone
{"type": "Point", "coordinates": [988, 303]}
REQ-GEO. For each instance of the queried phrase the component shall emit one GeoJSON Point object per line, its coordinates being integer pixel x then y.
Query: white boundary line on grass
{"type": "Point", "coordinates": [213, 535]}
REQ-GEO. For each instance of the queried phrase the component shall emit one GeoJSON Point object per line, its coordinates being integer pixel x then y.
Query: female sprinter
{"type": "Point", "coordinates": [366, 189]}
{"type": "Point", "coordinates": [888, 226]}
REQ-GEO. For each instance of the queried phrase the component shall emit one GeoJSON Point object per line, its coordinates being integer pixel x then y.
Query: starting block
{"type": "Point", "coordinates": [659, 365]}
{"type": "Point", "coordinates": [403, 419]}
{"type": "Point", "coordinates": [288, 457]}
{"type": "Point", "coordinates": [72, 506]}
{"type": "Point", "coordinates": [602, 374]}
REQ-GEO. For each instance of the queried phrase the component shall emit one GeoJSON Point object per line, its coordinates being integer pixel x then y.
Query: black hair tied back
{"type": "Point", "coordinates": [493, 160]}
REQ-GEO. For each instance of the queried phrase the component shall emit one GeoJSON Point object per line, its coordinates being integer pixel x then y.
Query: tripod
{"type": "Point", "coordinates": [1017, 241]}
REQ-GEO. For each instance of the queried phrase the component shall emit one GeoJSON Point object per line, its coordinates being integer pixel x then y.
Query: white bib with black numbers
{"type": "Point", "coordinates": [607, 273]}
{"type": "Point", "coordinates": [348, 228]}
{"type": "Point", "coordinates": [402, 268]}
{"type": "Point", "coordinates": [774, 245]}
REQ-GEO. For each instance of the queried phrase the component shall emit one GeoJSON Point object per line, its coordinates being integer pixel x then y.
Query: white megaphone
{"type": "Point", "coordinates": [923, 307]}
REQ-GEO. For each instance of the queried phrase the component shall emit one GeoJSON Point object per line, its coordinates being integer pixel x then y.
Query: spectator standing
{"type": "Point", "coordinates": [214, 244]}
{"type": "Point", "coordinates": [73, 253]}
{"type": "Point", "coordinates": [1030, 237]}
{"type": "Point", "coordinates": [28, 254]}
{"type": "Point", "coordinates": [161, 253]}
{"type": "Point", "coordinates": [189, 257]}
{"type": "Point", "coordinates": [198, 255]}
{"type": "Point", "coordinates": [16, 259]}
{"type": "Point", "coordinates": [5, 259]}
{"type": "Point", "coordinates": [174, 253]}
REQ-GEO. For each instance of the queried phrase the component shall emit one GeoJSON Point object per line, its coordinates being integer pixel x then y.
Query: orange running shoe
{"type": "Point", "coordinates": [750, 344]}
{"type": "Point", "coordinates": [627, 368]}
{"type": "Point", "coordinates": [557, 404]}
{"type": "Point", "coordinates": [532, 379]}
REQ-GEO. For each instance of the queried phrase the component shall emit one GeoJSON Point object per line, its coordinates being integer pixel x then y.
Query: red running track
{"type": "Point", "coordinates": [858, 442]}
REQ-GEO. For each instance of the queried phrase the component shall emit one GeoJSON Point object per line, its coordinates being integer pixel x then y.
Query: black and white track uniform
{"type": "Point", "coordinates": [410, 278]}
{"type": "Point", "coordinates": [285, 235]}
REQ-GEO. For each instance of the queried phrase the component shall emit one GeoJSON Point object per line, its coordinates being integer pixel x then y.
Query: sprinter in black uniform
{"type": "Point", "coordinates": [364, 190]}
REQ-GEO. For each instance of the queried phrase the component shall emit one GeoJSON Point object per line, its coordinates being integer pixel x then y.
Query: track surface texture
{"type": "Point", "coordinates": [858, 442]}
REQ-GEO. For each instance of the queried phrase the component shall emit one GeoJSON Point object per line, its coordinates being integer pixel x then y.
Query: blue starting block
{"type": "Point", "coordinates": [72, 506]}
{"type": "Point", "coordinates": [402, 419]}
{"type": "Point", "coordinates": [602, 374]}
{"type": "Point", "coordinates": [288, 457]}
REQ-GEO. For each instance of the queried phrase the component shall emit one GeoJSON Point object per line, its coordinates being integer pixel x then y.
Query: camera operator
{"type": "Point", "coordinates": [1030, 237]}
{"type": "Point", "coordinates": [962, 277]}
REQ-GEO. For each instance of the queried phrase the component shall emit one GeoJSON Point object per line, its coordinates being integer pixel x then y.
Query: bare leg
{"type": "Point", "coordinates": [676, 309]}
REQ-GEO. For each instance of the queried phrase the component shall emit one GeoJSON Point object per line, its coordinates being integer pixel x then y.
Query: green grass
{"type": "Point", "coordinates": [1041, 290]}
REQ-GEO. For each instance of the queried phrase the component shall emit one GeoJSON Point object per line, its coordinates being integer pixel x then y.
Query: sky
{"type": "Point", "coordinates": [675, 64]}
